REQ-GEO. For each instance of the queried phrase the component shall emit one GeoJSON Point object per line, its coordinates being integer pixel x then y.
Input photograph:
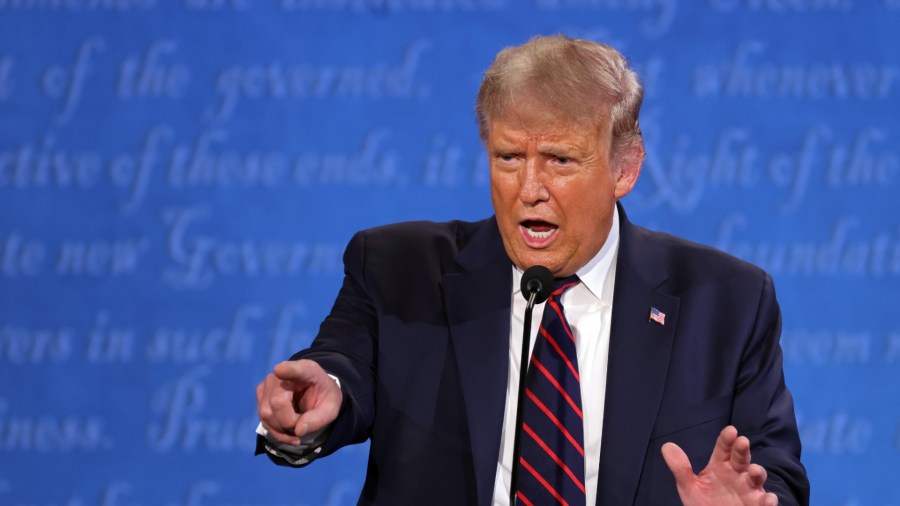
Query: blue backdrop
{"type": "Point", "coordinates": [178, 180]}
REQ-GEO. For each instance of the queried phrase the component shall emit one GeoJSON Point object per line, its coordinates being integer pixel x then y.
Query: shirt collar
{"type": "Point", "coordinates": [594, 273]}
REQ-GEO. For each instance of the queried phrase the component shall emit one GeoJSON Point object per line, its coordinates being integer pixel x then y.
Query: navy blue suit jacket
{"type": "Point", "coordinates": [419, 336]}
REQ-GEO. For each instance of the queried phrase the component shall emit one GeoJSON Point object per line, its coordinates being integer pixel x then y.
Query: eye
{"type": "Point", "coordinates": [562, 160]}
{"type": "Point", "coordinates": [507, 157]}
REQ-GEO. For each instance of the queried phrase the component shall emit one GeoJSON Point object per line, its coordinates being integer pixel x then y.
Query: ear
{"type": "Point", "coordinates": [628, 168]}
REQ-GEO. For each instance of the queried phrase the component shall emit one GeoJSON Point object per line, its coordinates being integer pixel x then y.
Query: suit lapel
{"type": "Point", "coordinates": [477, 299]}
{"type": "Point", "coordinates": [639, 352]}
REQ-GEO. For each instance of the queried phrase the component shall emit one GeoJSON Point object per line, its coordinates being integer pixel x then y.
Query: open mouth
{"type": "Point", "coordinates": [538, 232]}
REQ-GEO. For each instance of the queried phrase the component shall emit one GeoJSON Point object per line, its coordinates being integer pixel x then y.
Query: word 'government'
{"type": "Point", "coordinates": [200, 259]}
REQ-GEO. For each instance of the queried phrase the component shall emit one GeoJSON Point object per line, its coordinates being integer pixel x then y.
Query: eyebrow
{"type": "Point", "coordinates": [558, 149]}
{"type": "Point", "coordinates": [504, 147]}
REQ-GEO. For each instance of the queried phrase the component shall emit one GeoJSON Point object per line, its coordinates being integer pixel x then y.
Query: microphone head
{"type": "Point", "coordinates": [538, 280]}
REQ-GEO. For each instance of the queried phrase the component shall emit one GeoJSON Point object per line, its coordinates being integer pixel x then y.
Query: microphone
{"type": "Point", "coordinates": [537, 284]}
{"type": "Point", "coordinates": [537, 281]}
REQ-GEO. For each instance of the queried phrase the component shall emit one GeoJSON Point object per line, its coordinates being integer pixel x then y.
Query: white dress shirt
{"type": "Point", "coordinates": [588, 309]}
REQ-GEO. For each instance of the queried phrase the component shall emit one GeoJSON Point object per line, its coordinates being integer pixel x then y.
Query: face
{"type": "Point", "coordinates": [553, 187]}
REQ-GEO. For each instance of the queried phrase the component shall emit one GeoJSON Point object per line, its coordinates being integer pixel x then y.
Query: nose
{"type": "Point", "coordinates": [531, 184]}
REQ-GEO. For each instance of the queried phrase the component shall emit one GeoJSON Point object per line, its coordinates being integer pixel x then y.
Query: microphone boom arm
{"type": "Point", "coordinates": [523, 371]}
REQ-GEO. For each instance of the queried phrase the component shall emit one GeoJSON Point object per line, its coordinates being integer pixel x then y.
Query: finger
{"type": "Point", "coordinates": [757, 475]}
{"type": "Point", "coordinates": [262, 397]}
{"type": "Point", "coordinates": [298, 371]}
{"type": "Point", "coordinates": [740, 454]}
{"type": "Point", "coordinates": [724, 443]}
{"type": "Point", "coordinates": [679, 464]}
{"type": "Point", "coordinates": [284, 415]}
{"type": "Point", "coordinates": [274, 405]}
{"type": "Point", "coordinates": [281, 437]}
{"type": "Point", "coordinates": [323, 414]}
{"type": "Point", "coordinates": [276, 413]}
{"type": "Point", "coordinates": [262, 404]}
{"type": "Point", "coordinates": [769, 499]}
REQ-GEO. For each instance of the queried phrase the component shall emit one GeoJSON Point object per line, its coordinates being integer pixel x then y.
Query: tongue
{"type": "Point", "coordinates": [539, 226]}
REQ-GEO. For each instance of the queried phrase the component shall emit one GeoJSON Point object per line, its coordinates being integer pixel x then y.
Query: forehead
{"type": "Point", "coordinates": [528, 118]}
{"type": "Point", "coordinates": [507, 135]}
{"type": "Point", "coordinates": [538, 128]}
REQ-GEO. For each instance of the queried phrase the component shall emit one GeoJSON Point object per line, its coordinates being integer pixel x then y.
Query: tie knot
{"type": "Point", "coordinates": [560, 285]}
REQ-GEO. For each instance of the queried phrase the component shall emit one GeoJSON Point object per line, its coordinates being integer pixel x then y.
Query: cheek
{"type": "Point", "coordinates": [504, 188]}
{"type": "Point", "coordinates": [584, 211]}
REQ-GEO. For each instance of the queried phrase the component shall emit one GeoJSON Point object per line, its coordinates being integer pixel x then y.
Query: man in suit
{"type": "Point", "coordinates": [677, 344]}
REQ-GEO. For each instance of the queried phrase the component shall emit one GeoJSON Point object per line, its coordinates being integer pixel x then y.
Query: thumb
{"type": "Point", "coordinates": [320, 416]}
{"type": "Point", "coordinates": [678, 463]}
{"type": "Point", "coordinates": [310, 421]}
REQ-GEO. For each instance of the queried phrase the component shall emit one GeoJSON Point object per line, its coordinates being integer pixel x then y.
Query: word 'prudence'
{"type": "Point", "coordinates": [183, 426]}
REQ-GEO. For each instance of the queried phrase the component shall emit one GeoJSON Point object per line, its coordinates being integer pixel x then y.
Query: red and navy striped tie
{"type": "Point", "coordinates": [552, 446]}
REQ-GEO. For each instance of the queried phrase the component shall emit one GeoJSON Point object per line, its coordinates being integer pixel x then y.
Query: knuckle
{"type": "Point", "coordinates": [279, 402]}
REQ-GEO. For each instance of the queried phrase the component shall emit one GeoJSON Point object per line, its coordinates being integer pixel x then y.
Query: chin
{"type": "Point", "coordinates": [532, 260]}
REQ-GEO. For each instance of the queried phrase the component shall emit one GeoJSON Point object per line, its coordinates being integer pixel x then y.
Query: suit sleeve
{"type": "Point", "coordinates": [763, 407]}
{"type": "Point", "coordinates": [345, 347]}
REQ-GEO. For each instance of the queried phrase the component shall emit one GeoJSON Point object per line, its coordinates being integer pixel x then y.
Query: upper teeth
{"type": "Point", "coordinates": [538, 235]}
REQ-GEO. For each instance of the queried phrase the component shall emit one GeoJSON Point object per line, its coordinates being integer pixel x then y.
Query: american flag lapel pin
{"type": "Point", "coordinates": [657, 316]}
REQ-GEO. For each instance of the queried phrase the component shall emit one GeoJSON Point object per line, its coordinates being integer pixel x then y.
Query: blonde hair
{"type": "Point", "coordinates": [581, 79]}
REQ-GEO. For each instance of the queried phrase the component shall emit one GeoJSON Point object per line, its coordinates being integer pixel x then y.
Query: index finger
{"type": "Point", "coordinates": [740, 454]}
{"type": "Point", "coordinates": [296, 371]}
{"type": "Point", "coordinates": [724, 443]}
